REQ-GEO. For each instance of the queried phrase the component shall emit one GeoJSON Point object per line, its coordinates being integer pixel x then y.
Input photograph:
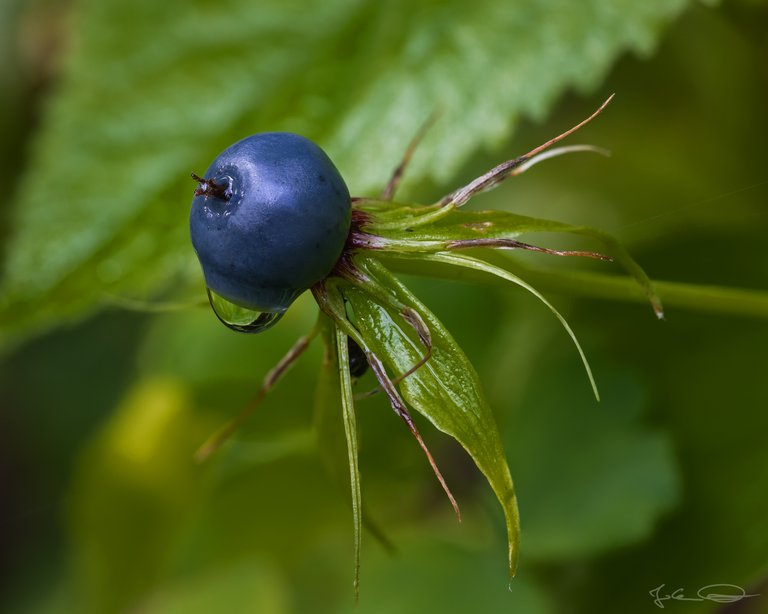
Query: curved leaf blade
{"type": "Point", "coordinates": [446, 390]}
{"type": "Point", "coordinates": [467, 225]}
{"type": "Point", "coordinates": [469, 262]}
{"type": "Point", "coordinates": [334, 389]}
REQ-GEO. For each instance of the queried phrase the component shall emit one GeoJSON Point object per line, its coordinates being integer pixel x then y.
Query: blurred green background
{"type": "Point", "coordinates": [105, 108]}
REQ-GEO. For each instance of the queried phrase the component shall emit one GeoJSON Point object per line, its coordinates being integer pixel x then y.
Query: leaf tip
{"type": "Point", "coordinates": [658, 308]}
{"type": "Point", "coordinates": [512, 563]}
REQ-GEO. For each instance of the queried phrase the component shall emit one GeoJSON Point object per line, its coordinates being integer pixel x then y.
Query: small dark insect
{"type": "Point", "coordinates": [358, 364]}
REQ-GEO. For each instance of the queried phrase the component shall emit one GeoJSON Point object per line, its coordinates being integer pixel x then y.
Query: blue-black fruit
{"type": "Point", "coordinates": [269, 219]}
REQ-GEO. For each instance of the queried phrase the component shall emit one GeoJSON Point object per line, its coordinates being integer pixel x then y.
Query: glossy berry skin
{"type": "Point", "coordinates": [270, 220]}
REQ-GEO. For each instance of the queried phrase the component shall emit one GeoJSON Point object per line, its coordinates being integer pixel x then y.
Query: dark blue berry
{"type": "Point", "coordinates": [269, 220]}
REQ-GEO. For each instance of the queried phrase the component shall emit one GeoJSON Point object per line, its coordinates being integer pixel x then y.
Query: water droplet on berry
{"type": "Point", "coordinates": [242, 319]}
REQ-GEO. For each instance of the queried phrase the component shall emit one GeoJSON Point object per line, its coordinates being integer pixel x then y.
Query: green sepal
{"type": "Point", "coordinates": [446, 390]}
{"type": "Point", "coordinates": [459, 225]}
{"type": "Point", "coordinates": [334, 389]}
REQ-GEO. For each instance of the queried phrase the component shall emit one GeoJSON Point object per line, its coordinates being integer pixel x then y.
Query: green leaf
{"type": "Point", "coordinates": [334, 392]}
{"type": "Point", "coordinates": [611, 479]}
{"type": "Point", "coordinates": [463, 224]}
{"type": "Point", "coordinates": [330, 434]}
{"type": "Point", "coordinates": [446, 389]}
{"type": "Point", "coordinates": [722, 300]}
{"type": "Point", "coordinates": [712, 402]}
{"type": "Point", "coordinates": [350, 431]}
{"type": "Point", "coordinates": [103, 206]}
{"type": "Point", "coordinates": [461, 260]}
{"type": "Point", "coordinates": [459, 225]}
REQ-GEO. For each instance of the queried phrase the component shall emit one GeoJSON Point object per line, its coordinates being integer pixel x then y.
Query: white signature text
{"type": "Point", "coordinates": [719, 593]}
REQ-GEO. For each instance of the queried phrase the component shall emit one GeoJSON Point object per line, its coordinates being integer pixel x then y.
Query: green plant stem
{"type": "Point", "coordinates": [704, 298]}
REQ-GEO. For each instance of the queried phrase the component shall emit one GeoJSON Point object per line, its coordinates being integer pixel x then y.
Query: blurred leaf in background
{"type": "Point", "coordinates": [101, 207]}
{"type": "Point", "coordinates": [107, 106]}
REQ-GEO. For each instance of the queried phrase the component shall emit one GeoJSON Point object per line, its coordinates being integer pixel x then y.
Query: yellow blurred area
{"type": "Point", "coordinates": [144, 423]}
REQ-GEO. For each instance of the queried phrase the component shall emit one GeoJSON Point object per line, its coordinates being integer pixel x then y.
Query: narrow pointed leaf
{"type": "Point", "coordinates": [463, 224]}
{"type": "Point", "coordinates": [329, 429]}
{"type": "Point", "coordinates": [722, 300]}
{"type": "Point", "coordinates": [479, 265]}
{"type": "Point", "coordinates": [350, 431]}
{"type": "Point", "coordinates": [446, 390]}
{"type": "Point", "coordinates": [466, 225]}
